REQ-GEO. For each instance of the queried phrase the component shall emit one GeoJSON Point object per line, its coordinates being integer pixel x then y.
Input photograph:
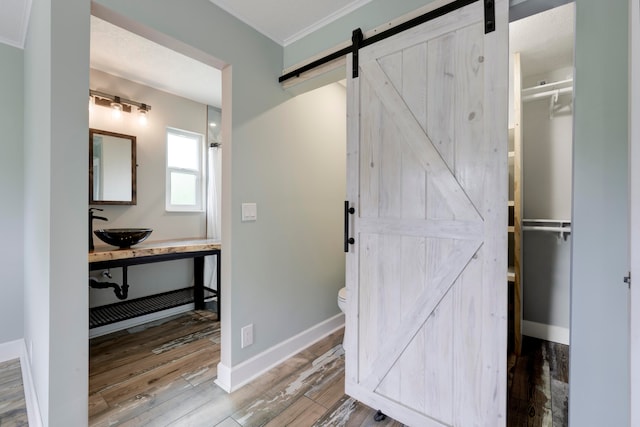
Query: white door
{"type": "Point", "coordinates": [426, 334]}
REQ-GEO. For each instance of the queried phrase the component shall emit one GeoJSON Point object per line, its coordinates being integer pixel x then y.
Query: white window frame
{"type": "Point", "coordinates": [199, 173]}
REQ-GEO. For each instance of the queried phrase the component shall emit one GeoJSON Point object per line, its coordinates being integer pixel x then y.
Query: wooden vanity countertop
{"type": "Point", "coordinates": [159, 247]}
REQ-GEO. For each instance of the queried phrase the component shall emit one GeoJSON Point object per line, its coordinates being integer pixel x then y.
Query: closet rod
{"type": "Point", "coordinates": [547, 221]}
{"type": "Point", "coordinates": [547, 94]}
{"type": "Point", "coordinates": [546, 228]}
{"type": "Point", "coordinates": [563, 228]}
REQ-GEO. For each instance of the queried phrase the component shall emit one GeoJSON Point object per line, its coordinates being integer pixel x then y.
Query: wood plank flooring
{"type": "Point", "coordinates": [162, 375]}
{"type": "Point", "coordinates": [13, 410]}
{"type": "Point", "coordinates": [538, 388]}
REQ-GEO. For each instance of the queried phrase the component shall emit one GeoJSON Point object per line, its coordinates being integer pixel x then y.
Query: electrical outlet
{"type": "Point", "coordinates": [246, 336]}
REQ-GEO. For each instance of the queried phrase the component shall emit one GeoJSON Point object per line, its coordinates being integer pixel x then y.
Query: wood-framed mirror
{"type": "Point", "coordinates": [112, 168]}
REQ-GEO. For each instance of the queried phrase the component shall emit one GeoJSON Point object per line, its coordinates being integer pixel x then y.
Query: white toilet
{"type": "Point", "coordinates": [342, 303]}
{"type": "Point", "coordinates": [342, 299]}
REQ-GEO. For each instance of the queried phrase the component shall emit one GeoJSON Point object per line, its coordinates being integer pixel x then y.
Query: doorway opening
{"type": "Point", "coordinates": [540, 185]}
{"type": "Point", "coordinates": [130, 63]}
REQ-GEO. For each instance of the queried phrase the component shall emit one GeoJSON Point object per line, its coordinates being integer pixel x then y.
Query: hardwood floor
{"type": "Point", "coordinates": [13, 411]}
{"type": "Point", "coordinates": [163, 376]}
{"type": "Point", "coordinates": [538, 388]}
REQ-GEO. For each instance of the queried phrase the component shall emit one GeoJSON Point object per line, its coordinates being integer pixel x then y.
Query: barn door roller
{"type": "Point", "coordinates": [489, 16]}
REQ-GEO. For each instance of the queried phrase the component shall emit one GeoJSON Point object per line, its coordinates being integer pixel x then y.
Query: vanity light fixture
{"type": "Point", "coordinates": [142, 114]}
{"type": "Point", "coordinates": [116, 108]}
{"type": "Point", "coordinates": [120, 105]}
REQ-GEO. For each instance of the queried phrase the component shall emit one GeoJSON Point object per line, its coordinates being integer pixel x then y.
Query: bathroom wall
{"type": "Point", "coordinates": [167, 110]}
{"type": "Point", "coordinates": [56, 81]}
{"type": "Point", "coordinates": [11, 194]}
{"type": "Point", "coordinates": [547, 175]}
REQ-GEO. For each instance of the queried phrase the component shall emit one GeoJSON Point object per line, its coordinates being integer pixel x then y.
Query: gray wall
{"type": "Point", "coordinates": [599, 359]}
{"type": "Point", "coordinates": [11, 194]}
{"type": "Point", "coordinates": [546, 278]}
{"type": "Point", "coordinates": [56, 117]}
{"type": "Point", "coordinates": [291, 265]}
{"type": "Point", "coordinates": [369, 16]}
{"type": "Point", "coordinates": [167, 111]}
{"type": "Point", "coordinates": [547, 148]}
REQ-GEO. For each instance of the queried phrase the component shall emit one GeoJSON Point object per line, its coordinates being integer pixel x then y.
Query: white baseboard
{"type": "Point", "coordinates": [136, 321]}
{"type": "Point", "coordinates": [18, 350]}
{"type": "Point", "coordinates": [546, 332]}
{"type": "Point", "coordinates": [31, 399]}
{"type": "Point", "coordinates": [232, 378]}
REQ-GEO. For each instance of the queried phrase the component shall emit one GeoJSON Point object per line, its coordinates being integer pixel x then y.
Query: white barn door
{"type": "Point", "coordinates": [426, 335]}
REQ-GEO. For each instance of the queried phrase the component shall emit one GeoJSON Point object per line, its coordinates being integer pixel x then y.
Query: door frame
{"type": "Point", "coordinates": [634, 207]}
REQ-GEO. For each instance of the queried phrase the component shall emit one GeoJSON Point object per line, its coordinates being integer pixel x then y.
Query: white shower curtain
{"type": "Point", "coordinates": [213, 209]}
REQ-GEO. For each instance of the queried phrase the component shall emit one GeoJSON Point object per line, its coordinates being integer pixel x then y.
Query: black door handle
{"type": "Point", "coordinates": [347, 240]}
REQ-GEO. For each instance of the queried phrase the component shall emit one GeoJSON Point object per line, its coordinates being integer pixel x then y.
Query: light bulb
{"type": "Point", "coordinates": [142, 116]}
{"type": "Point", "coordinates": [116, 110]}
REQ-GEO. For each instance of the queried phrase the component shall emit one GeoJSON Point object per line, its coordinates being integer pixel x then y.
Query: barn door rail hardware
{"type": "Point", "coordinates": [562, 227]}
{"type": "Point", "coordinates": [358, 42]}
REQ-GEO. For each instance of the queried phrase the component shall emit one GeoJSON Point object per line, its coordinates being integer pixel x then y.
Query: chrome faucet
{"type": "Point", "coordinates": [91, 218]}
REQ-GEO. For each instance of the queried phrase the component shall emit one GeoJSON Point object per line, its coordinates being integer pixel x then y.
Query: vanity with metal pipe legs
{"type": "Point", "coordinates": [103, 258]}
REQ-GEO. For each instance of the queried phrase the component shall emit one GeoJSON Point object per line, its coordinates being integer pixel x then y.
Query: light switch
{"type": "Point", "coordinates": [249, 212]}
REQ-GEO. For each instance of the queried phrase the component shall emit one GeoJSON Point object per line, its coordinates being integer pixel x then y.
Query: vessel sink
{"type": "Point", "coordinates": [123, 237]}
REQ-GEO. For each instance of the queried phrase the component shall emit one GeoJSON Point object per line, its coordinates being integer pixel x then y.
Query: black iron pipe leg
{"type": "Point", "coordinates": [198, 282]}
{"type": "Point", "coordinates": [218, 262]}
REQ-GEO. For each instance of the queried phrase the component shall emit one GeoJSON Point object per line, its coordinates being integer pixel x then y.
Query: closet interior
{"type": "Point", "coordinates": [540, 175]}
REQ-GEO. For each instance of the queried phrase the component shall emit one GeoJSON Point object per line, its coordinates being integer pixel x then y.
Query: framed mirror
{"type": "Point", "coordinates": [112, 168]}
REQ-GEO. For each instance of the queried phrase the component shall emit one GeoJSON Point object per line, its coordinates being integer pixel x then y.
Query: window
{"type": "Point", "coordinates": [185, 171]}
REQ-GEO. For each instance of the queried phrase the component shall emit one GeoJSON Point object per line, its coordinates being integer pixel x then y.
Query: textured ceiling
{"type": "Point", "coordinates": [545, 41]}
{"type": "Point", "coordinates": [127, 55]}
